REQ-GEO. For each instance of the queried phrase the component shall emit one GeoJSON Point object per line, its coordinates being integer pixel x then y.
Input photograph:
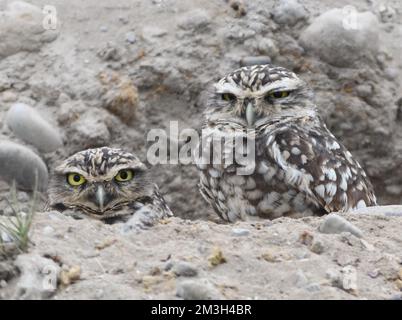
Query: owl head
{"type": "Point", "coordinates": [254, 95]}
{"type": "Point", "coordinates": [99, 182]}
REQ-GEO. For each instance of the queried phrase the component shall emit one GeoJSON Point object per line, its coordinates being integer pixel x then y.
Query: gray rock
{"type": "Point", "coordinates": [317, 246]}
{"type": "Point", "coordinates": [289, 12]}
{"type": "Point", "coordinates": [391, 73]}
{"type": "Point", "coordinates": [21, 164]}
{"type": "Point", "coordinates": [103, 29]}
{"type": "Point", "coordinates": [130, 37]}
{"type": "Point", "coordinates": [392, 210]}
{"type": "Point", "coordinates": [7, 270]}
{"type": "Point", "coordinates": [90, 130]}
{"type": "Point", "coordinates": [251, 61]}
{"type": "Point", "coordinates": [30, 126]}
{"type": "Point", "coordinates": [38, 278]}
{"type": "Point", "coordinates": [185, 269]}
{"type": "Point", "coordinates": [359, 34]}
{"type": "Point", "coordinates": [300, 279]}
{"type": "Point", "coordinates": [364, 90]}
{"type": "Point", "coordinates": [200, 289]}
{"type": "Point", "coordinates": [313, 287]}
{"type": "Point", "coordinates": [334, 223]}
{"type": "Point", "coordinates": [197, 19]}
{"type": "Point", "coordinates": [21, 29]}
{"type": "Point", "coordinates": [239, 232]}
{"type": "Point", "coordinates": [266, 46]}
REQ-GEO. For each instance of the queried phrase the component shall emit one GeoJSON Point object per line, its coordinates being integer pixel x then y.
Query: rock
{"type": "Point", "coordinates": [21, 164]}
{"type": "Point", "coordinates": [103, 29]}
{"type": "Point", "coordinates": [200, 289]}
{"type": "Point", "coordinates": [38, 278]}
{"type": "Point", "coordinates": [391, 73]}
{"type": "Point", "coordinates": [185, 269]}
{"type": "Point", "coordinates": [251, 61]}
{"type": "Point", "coordinates": [89, 131]}
{"type": "Point", "coordinates": [317, 246]}
{"type": "Point", "coordinates": [239, 232]}
{"type": "Point", "coordinates": [121, 97]}
{"type": "Point", "coordinates": [300, 279]}
{"type": "Point", "coordinates": [130, 37]}
{"type": "Point", "coordinates": [71, 275]}
{"type": "Point", "coordinates": [7, 270]}
{"type": "Point", "coordinates": [21, 29]}
{"type": "Point", "coordinates": [364, 90]}
{"type": "Point", "coordinates": [313, 287]}
{"type": "Point", "coordinates": [239, 7]}
{"type": "Point", "coordinates": [27, 124]}
{"type": "Point", "coordinates": [216, 258]}
{"type": "Point", "coordinates": [358, 34]}
{"type": "Point", "coordinates": [109, 52]}
{"type": "Point", "coordinates": [266, 46]}
{"type": "Point", "coordinates": [196, 20]}
{"type": "Point", "coordinates": [392, 210]}
{"type": "Point", "coordinates": [289, 12]}
{"type": "Point", "coordinates": [334, 223]}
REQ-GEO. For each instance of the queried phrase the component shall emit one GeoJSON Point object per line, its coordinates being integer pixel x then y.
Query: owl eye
{"type": "Point", "coordinates": [228, 97]}
{"type": "Point", "coordinates": [75, 179]}
{"type": "Point", "coordinates": [278, 94]}
{"type": "Point", "coordinates": [124, 175]}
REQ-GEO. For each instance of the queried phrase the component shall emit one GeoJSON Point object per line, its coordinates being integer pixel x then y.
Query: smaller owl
{"type": "Point", "coordinates": [107, 184]}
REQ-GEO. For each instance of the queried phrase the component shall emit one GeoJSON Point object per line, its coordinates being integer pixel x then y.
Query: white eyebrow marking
{"type": "Point", "coordinates": [283, 84]}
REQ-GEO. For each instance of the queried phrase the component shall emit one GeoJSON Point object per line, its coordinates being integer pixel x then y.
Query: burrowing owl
{"type": "Point", "coordinates": [300, 168]}
{"type": "Point", "coordinates": [106, 184]}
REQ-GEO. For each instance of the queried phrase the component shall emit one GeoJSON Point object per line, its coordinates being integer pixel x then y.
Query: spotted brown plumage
{"type": "Point", "coordinates": [106, 184]}
{"type": "Point", "coordinates": [299, 169]}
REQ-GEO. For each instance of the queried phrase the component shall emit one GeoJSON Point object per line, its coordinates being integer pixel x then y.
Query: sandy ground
{"type": "Point", "coordinates": [170, 51]}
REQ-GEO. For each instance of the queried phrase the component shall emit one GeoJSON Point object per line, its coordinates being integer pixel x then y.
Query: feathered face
{"type": "Point", "coordinates": [253, 96]}
{"type": "Point", "coordinates": [99, 181]}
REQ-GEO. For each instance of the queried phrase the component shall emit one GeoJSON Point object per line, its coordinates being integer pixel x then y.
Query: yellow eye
{"type": "Point", "coordinates": [279, 94]}
{"type": "Point", "coordinates": [228, 96]}
{"type": "Point", "coordinates": [75, 179]}
{"type": "Point", "coordinates": [124, 175]}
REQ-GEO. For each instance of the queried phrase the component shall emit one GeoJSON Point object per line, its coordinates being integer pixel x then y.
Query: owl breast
{"type": "Point", "coordinates": [299, 170]}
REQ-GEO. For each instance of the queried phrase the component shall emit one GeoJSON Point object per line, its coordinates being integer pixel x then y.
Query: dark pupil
{"type": "Point", "coordinates": [77, 178]}
{"type": "Point", "coordinates": [228, 96]}
{"type": "Point", "coordinates": [123, 175]}
{"type": "Point", "coordinates": [277, 94]}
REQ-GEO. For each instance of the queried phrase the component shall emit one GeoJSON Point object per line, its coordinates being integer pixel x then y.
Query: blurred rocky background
{"type": "Point", "coordinates": [81, 74]}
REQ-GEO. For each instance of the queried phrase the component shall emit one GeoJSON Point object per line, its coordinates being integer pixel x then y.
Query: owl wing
{"type": "Point", "coordinates": [148, 212]}
{"type": "Point", "coordinates": [314, 162]}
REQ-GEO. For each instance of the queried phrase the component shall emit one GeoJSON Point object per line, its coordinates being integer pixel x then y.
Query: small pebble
{"type": "Point", "coordinates": [48, 230]}
{"type": "Point", "coordinates": [251, 61]}
{"type": "Point", "coordinates": [313, 287]}
{"type": "Point", "coordinates": [334, 223]}
{"type": "Point", "coordinates": [103, 29]}
{"type": "Point", "coordinates": [200, 289]}
{"type": "Point", "coordinates": [239, 232]}
{"type": "Point", "coordinates": [185, 269]}
{"type": "Point", "coordinates": [130, 37]}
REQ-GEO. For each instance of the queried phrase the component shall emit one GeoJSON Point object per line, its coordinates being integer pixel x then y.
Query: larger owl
{"type": "Point", "coordinates": [299, 167]}
{"type": "Point", "coordinates": [107, 184]}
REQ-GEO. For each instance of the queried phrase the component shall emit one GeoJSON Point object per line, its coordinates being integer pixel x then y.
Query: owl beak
{"type": "Point", "coordinates": [100, 197]}
{"type": "Point", "coordinates": [250, 114]}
